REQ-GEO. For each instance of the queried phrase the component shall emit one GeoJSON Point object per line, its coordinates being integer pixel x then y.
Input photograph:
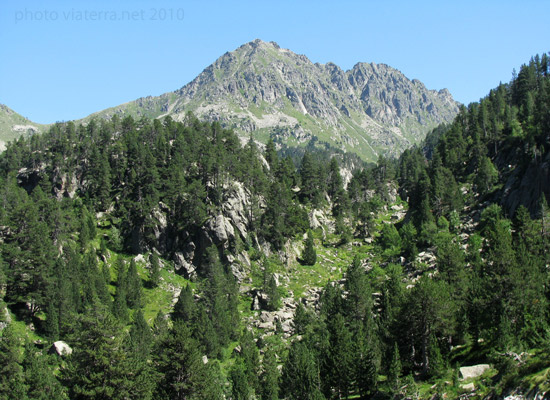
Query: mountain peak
{"type": "Point", "coordinates": [265, 90]}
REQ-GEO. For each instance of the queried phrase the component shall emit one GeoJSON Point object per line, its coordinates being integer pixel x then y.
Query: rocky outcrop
{"type": "Point", "coordinates": [222, 229]}
{"type": "Point", "coordinates": [218, 230]}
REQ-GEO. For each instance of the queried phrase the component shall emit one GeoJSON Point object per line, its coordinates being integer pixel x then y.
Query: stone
{"type": "Point", "coordinates": [473, 371]}
{"type": "Point", "coordinates": [221, 229]}
{"type": "Point", "coordinates": [266, 325]}
{"type": "Point", "coordinates": [267, 317]}
{"type": "Point", "coordinates": [61, 348]}
{"type": "Point", "coordinates": [139, 259]}
{"type": "Point", "coordinates": [180, 263]}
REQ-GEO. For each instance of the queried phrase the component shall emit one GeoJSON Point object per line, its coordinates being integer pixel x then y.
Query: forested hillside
{"type": "Point", "coordinates": [177, 263]}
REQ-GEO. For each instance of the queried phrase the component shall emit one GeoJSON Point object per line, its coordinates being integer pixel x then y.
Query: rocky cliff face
{"type": "Point", "coordinates": [265, 90]}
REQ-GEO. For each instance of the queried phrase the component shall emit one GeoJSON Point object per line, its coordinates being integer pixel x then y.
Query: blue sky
{"type": "Point", "coordinates": [62, 60]}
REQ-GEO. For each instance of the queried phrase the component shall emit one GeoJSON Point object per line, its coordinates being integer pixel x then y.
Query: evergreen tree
{"type": "Point", "coordinates": [309, 256]}
{"type": "Point", "coordinates": [140, 335]}
{"type": "Point", "coordinates": [309, 176]}
{"type": "Point", "coordinates": [250, 358]}
{"type": "Point", "coordinates": [335, 184]}
{"type": "Point", "coordinates": [300, 377]}
{"type": "Point", "coordinates": [160, 327]}
{"type": "Point", "coordinates": [239, 385]}
{"type": "Point", "coordinates": [395, 371]}
{"type": "Point", "coordinates": [269, 377]}
{"type": "Point", "coordinates": [367, 361]}
{"type": "Point", "coordinates": [12, 380]}
{"type": "Point", "coordinates": [337, 371]}
{"type": "Point", "coordinates": [41, 381]}
{"type": "Point", "coordinates": [154, 276]}
{"type": "Point", "coordinates": [273, 296]}
{"type": "Point", "coordinates": [97, 369]}
{"type": "Point", "coordinates": [359, 298]}
{"type": "Point", "coordinates": [120, 306]}
{"type": "Point", "coordinates": [271, 155]}
{"type": "Point", "coordinates": [183, 373]}
{"type": "Point", "coordinates": [51, 327]}
{"type": "Point", "coordinates": [185, 307]}
{"type": "Point", "coordinates": [134, 291]}
{"type": "Point", "coordinates": [432, 313]}
{"type": "Point", "coordinates": [301, 320]}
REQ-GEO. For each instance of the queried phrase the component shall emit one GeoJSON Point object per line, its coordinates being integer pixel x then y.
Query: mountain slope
{"type": "Point", "coordinates": [13, 125]}
{"type": "Point", "coordinates": [263, 89]}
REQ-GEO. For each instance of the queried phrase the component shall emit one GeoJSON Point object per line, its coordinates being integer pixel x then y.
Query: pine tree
{"type": "Point", "coordinates": [185, 307]}
{"type": "Point", "coordinates": [271, 155]}
{"type": "Point", "coordinates": [52, 321]}
{"type": "Point", "coordinates": [251, 359]}
{"type": "Point", "coordinates": [309, 256]}
{"type": "Point", "coordinates": [432, 312]}
{"type": "Point", "coordinates": [301, 320]}
{"type": "Point", "coordinates": [154, 277]}
{"type": "Point", "coordinates": [300, 377]}
{"type": "Point", "coordinates": [367, 361]}
{"type": "Point", "coordinates": [96, 368]}
{"type": "Point", "coordinates": [239, 385]}
{"type": "Point", "coordinates": [395, 371]}
{"type": "Point", "coordinates": [120, 304]}
{"type": "Point", "coordinates": [273, 296]}
{"type": "Point", "coordinates": [359, 298]}
{"type": "Point", "coordinates": [160, 327]}
{"type": "Point", "coordinates": [183, 373]}
{"type": "Point", "coordinates": [140, 335]}
{"type": "Point", "coordinates": [335, 184]}
{"type": "Point", "coordinates": [12, 382]}
{"type": "Point", "coordinates": [40, 378]}
{"type": "Point", "coordinates": [337, 372]}
{"type": "Point", "coordinates": [309, 176]}
{"type": "Point", "coordinates": [134, 291]}
{"type": "Point", "coordinates": [269, 377]}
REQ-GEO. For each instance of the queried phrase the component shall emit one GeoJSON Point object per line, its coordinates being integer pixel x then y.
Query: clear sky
{"type": "Point", "coordinates": [62, 60]}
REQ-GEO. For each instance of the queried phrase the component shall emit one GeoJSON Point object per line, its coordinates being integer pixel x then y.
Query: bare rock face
{"type": "Point", "coordinates": [236, 206]}
{"type": "Point", "coordinates": [219, 228]}
{"type": "Point", "coordinates": [184, 265]}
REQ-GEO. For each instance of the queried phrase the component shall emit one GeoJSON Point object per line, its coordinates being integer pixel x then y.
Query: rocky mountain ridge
{"type": "Point", "coordinates": [265, 90]}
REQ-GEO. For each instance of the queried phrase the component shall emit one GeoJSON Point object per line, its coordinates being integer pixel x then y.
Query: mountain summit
{"type": "Point", "coordinates": [369, 109]}
{"type": "Point", "coordinates": [263, 90]}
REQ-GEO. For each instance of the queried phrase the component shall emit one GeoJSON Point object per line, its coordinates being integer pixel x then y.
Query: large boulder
{"type": "Point", "coordinates": [473, 371]}
{"type": "Point", "coordinates": [219, 229]}
{"type": "Point", "coordinates": [61, 348]}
